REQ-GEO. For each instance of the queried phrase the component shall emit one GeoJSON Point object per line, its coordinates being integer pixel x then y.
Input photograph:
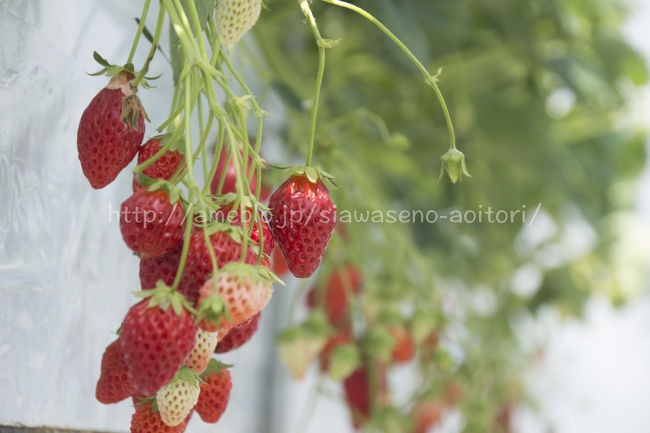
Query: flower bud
{"type": "Point", "coordinates": [454, 163]}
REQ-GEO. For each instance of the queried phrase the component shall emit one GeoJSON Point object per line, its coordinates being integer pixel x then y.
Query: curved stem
{"type": "Point", "coordinates": [304, 4]}
{"type": "Point", "coordinates": [136, 40]}
{"type": "Point", "coordinates": [429, 79]}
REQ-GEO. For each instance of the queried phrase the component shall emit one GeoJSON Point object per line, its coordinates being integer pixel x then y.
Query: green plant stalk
{"type": "Point", "coordinates": [215, 161]}
{"type": "Point", "coordinates": [429, 79]}
{"type": "Point", "coordinates": [152, 51]}
{"type": "Point", "coordinates": [259, 114]}
{"type": "Point", "coordinates": [186, 242]}
{"type": "Point", "coordinates": [138, 33]}
{"type": "Point", "coordinates": [304, 5]}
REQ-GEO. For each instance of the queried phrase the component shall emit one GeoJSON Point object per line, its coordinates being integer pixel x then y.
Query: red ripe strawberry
{"type": "Point", "coordinates": [404, 349]}
{"type": "Point", "coordinates": [145, 420]}
{"type": "Point", "coordinates": [303, 217]}
{"type": "Point", "coordinates": [343, 282]}
{"type": "Point", "coordinates": [357, 391]}
{"type": "Point", "coordinates": [110, 131]}
{"type": "Point", "coordinates": [245, 293]}
{"type": "Point", "coordinates": [157, 335]}
{"type": "Point", "coordinates": [279, 265]}
{"type": "Point", "coordinates": [163, 168]}
{"type": "Point", "coordinates": [198, 266]}
{"type": "Point", "coordinates": [332, 343]}
{"type": "Point", "coordinates": [151, 226]}
{"type": "Point", "coordinates": [114, 384]}
{"type": "Point", "coordinates": [427, 414]}
{"type": "Point", "coordinates": [230, 180]}
{"type": "Point", "coordinates": [239, 334]}
{"type": "Point", "coordinates": [158, 268]}
{"type": "Point", "coordinates": [226, 213]}
{"type": "Point", "coordinates": [215, 392]}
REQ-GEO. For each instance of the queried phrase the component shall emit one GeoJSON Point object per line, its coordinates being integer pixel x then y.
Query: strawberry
{"type": "Point", "coordinates": [298, 346]}
{"type": "Point", "coordinates": [332, 343]}
{"type": "Point", "coordinates": [145, 420]}
{"type": "Point", "coordinates": [215, 392]}
{"type": "Point", "coordinates": [151, 225]}
{"type": "Point", "coordinates": [343, 282]}
{"type": "Point", "coordinates": [226, 213]}
{"type": "Point", "coordinates": [244, 290]}
{"type": "Point", "coordinates": [303, 217]}
{"type": "Point", "coordinates": [198, 266]}
{"type": "Point", "coordinates": [279, 265]}
{"type": "Point", "coordinates": [356, 391]}
{"type": "Point", "coordinates": [156, 339]}
{"type": "Point", "coordinates": [203, 347]}
{"type": "Point", "coordinates": [158, 268]}
{"type": "Point", "coordinates": [114, 384]}
{"type": "Point", "coordinates": [163, 168]}
{"type": "Point", "coordinates": [404, 349]}
{"type": "Point", "coordinates": [238, 335]}
{"type": "Point", "coordinates": [230, 175]}
{"type": "Point", "coordinates": [236, 17]}
{"type": "Point", "coordinates": [110, 131]}
{"type": "Point", "coordinates": [177, 399]}
{"type": "Point", "coordinates": [426, 414]}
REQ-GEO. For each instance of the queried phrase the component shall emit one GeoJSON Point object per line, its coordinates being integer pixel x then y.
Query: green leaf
{"type": "Point", "coordinates": [99, 59]}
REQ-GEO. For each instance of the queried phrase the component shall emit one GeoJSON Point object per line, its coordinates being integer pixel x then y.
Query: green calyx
{"type": "Point", "coordinates": [188, 375]}
{"type": "Point", "coordinates": [175, 193]}
{"type": "Point", "coordinates": [174, 144]}
{"type": "Point", "coordinates": [112, 70]}
{"type": "Point", "coordinates": [246, 272]}
{"type": "Point", "coordinates": [212, 309]}
{"type": "Point", "coordinates": [164, 297]}
{"type": "Point", "coordinates": [313, 174]}
{"type": "Point", "coordinates": [145, 400]}
{"type": "Point", "coordinates": [453, 162]}
{"type": "Point", "coordinates": [214, 367]}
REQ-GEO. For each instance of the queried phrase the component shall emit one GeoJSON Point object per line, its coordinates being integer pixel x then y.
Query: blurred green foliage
{"type": "Point", "coordinates": [537, 91]}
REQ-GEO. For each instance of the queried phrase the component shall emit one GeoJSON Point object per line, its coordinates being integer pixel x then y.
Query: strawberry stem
{"type": "Point", "coordinates": [136, 40]}
{"type": "Point", "coordinates": [152, 51]}
{"type": "Point", "coordinates": [429, 79]}
{"type": "Point", "coordinates": [304, 5]}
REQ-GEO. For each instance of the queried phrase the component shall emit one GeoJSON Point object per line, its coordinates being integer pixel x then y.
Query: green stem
{"type": "Point", "coordinates": [304, 5]}
{"type": "Point", "coordinates": [152, 51]}
{"type": "Point", "coordinates": [429, 79]}
{"type": "Point", "coordinates": [136, 40]}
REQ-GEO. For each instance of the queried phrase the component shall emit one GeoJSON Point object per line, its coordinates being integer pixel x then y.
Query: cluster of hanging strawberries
{"type": "Point", "coordinates": [162, 357]}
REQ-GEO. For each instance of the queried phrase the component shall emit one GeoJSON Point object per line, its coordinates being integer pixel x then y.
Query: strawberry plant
{"type": "Point", "coordinates": [383, 295]}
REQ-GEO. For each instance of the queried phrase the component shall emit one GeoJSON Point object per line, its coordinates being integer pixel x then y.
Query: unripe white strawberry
{"type": "Point", "coordinates": [177, 399]}
{"type": "Point", "coordinates": [204, 346]}
{"type": "Point", "coordinates": [235, 17]}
